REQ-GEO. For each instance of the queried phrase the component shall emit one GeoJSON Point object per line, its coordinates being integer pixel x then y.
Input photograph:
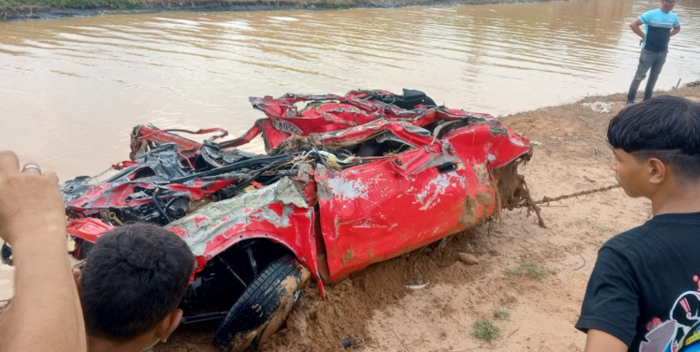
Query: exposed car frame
{"type": "Point", "coordinates": [348, 181]}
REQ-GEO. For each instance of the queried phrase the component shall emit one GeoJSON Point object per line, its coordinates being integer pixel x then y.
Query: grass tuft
{"type": "Point", "coordinates": [531, 269]}
{"type": "Point", "coordinates": [485, 330]}
{"type": "Point", "coordinates": [501, 313]}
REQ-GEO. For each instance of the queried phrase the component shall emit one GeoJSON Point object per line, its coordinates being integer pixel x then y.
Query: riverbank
{"type": "Point", "coordinates": [13, 10]}
{"type": "Point", "coordinates": [527, 281]}
{"type": "Point", "coordinates": [375, 310]}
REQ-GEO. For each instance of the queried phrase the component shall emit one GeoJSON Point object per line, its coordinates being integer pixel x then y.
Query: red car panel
{"type": "Point", "coordinates": [336, 206]}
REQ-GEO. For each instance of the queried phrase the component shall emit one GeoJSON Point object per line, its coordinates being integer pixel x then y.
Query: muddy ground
{"type": "Point", "coordinates": [11, 12]}
{"type": "Point", "coordinates": [377, 312]}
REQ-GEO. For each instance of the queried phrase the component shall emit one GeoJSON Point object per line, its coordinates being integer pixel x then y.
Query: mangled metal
{"type": "Point", "coordinates": [347, 181]}
{"type": "Point", "coordinates": [230, 217]}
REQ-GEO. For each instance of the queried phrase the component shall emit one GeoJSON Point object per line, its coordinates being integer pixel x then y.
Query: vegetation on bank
{"type": "Point", "coordinates": [73, 4]}
{"type": "Point", "coordinates": [485, 330]}
{"type": "Point", "coordinates": [502, 313]}
{"type": "Point", "coordinates": [37, 9]}
{"type": "Point", "coordinates": [531, 269]}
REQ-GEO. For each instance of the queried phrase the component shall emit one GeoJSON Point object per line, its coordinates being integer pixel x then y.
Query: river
{"type": "Point", "coordinates": [71, 89]}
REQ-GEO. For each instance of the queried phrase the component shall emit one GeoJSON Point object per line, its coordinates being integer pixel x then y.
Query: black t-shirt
{"type": "Point", "coordinates": [644, 288]}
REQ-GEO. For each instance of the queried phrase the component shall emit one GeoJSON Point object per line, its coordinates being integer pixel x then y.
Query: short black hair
{"type": "Point", "coordinates": [134, 276]}
{"type": "Point", "coordinates": [664, 127]}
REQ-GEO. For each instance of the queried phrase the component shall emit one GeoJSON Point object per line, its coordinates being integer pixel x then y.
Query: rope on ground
{"type": "Point", "coordinates": [584, 262]}
{"type": "Point", "coordinates": [532, 205]}
{"type": "Point", "coordinates": [546, 199]}
{"type": "Point", "coordinates": [402, 344]}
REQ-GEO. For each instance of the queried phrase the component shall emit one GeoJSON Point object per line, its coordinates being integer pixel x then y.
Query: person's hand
{"type": "Point", "coordinates": [30, 203]}
{"type": "Point", "coordinates": [77, 275]}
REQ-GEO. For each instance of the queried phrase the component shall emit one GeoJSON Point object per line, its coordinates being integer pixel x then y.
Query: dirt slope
{"type": "Point", "coordinates": [376, 312]}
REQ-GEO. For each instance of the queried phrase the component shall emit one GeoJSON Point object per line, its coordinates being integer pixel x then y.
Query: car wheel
{"type": "Point", "coordinates": [263, 307]}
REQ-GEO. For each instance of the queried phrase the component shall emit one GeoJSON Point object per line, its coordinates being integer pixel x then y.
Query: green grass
{"type": "Point", "coordinates": [485, 330]}
{"type": "Point", "coordinates": [501, 313]}
{"type": "Point", "coordinates": [514, 272]}
{"type": "Point", "coordinates": [530, 269]}
{"type": "Point", "coordinates": [75, 4]}
{"type": "Point", "coordinates": [335, 6]}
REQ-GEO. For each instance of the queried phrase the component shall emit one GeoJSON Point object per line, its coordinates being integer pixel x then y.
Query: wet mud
{"type": "Point", "coordinates": [316, 325]}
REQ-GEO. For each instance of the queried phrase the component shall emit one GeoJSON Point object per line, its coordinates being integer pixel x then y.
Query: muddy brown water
{"type": "Point", "coordinates": [71, 89]}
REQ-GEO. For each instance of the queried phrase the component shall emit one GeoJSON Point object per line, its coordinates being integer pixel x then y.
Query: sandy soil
{"type": "Point", "coordinates": [377, 312]}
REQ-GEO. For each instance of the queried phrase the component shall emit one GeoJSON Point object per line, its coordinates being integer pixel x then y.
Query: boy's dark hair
{"type": "Point", "coordinates": [664, 127]}
{"type": "Point", "coordinates": [134, 276]}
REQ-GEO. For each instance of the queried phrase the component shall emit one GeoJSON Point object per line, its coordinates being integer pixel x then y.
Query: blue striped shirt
{"type": "Point", "coordinates": [659, 25]}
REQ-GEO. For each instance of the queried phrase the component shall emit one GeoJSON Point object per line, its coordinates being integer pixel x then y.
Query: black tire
{"type": "Point", "coordinates": [263, 307]}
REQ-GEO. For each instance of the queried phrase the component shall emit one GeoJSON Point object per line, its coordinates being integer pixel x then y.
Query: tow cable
{"type": "Point", "coordinates": [533, 205]}
{"type": "Point", "coordinates": [546, 199]}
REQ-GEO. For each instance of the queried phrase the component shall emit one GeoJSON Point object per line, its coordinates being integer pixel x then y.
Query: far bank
{"type": "Point", "coordinates": [13, 10]}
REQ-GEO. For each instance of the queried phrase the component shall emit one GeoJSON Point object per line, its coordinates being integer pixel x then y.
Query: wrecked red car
{"type": "Point", "coordinates": [347, 181]}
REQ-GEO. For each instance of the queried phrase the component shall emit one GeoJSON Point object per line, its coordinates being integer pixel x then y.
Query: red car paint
{"type": "Point", "coordinates": [338, 221]}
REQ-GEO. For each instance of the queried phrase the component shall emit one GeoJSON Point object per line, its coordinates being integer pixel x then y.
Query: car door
{"type": "Point", "coordinates": [379, 210]}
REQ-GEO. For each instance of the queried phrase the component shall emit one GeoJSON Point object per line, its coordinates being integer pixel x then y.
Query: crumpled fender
{"type": "Point", "coordinates": [277, 212]}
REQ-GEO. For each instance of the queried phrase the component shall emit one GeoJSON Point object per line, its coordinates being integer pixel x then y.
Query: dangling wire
{"type": "Point", "coordinates": [160, 209]}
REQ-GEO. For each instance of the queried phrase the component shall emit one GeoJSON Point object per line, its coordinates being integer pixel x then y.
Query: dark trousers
{"type": "Point", "coordinates": [648, 59]}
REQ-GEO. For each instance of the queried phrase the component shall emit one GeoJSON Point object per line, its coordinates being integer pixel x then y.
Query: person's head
{"type": "Point", "coordinates": [667, 5]}
{"type": "Point", "coordinates": [132, 283]}
{"type": "Point", "coordinates": [656, 145]}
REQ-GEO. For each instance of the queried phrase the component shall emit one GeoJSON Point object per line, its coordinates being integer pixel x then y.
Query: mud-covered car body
{"type": "Point", "coordinates": [348, 181]}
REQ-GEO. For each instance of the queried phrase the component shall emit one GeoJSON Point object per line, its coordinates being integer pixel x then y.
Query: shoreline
{"type": "Point", "coordinates": [377, 312]}
{"type": "Point", "coordinates": [11, 13]}
{"type": "Point", "coordinates": [571, 155]}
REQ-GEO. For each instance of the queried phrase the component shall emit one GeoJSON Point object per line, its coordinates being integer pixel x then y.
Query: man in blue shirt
{"type": "Point", "coordinates": [661, 25]}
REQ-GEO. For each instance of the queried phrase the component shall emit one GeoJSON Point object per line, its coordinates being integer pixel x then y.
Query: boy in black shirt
{"type": "Point", "coordinates": [131, 285]}
{"type": "Point", "coordinates": [644, 292]}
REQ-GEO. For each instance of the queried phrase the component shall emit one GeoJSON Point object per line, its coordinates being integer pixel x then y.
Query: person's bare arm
{"type": "Point", "coordinates": [601, 341]}
{"type": "Point", "coordinates": [45, 313]}
{"type": "Point", "coordinates": [636, 28]}
{"type": "Point", "coordinates": [675, 30]}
